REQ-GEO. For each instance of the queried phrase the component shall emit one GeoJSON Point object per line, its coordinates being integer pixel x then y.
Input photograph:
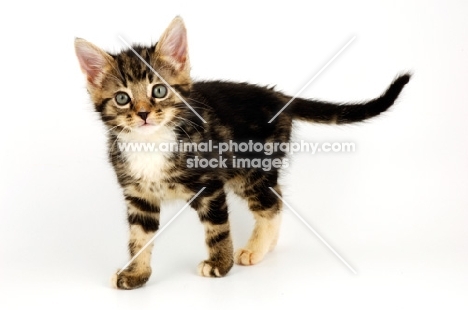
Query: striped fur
{"type": "Point", "coordinates": [232, 111]}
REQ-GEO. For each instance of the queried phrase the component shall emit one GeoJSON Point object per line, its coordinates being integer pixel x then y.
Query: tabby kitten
{"type": "Point", "coordinates": [136, 105]}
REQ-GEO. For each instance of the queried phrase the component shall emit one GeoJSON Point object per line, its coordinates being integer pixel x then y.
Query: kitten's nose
{"type": "Point", "coordinates": [143, 115]}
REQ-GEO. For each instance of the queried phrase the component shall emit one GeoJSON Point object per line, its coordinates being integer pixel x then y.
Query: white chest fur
{"type": "Point", "coordinates": [144, 157]}
{"type": "Point", "coordinates": [148, 166]}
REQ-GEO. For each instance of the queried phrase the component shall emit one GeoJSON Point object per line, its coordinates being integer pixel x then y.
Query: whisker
{"type": "Point", "coordinates": [118, 135]}
{"type": "Point", "coordinates": [175, 124]}
{"type": "Point", "coordinates": [184, 132]}
{"type": "Point", "coordinates": [189, 121]}
{"type": "Point", "coordinates": [113, 127]}
{"type": "Point", "coordinates": [200, 102]}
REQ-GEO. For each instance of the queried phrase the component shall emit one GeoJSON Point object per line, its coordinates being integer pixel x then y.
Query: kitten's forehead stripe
{"type": "Point", "coordinates": [132, 67]}
{"type": "Point", "coordinates": [147, 58]}
{"type": "Point", "coordinates": [120, 66]}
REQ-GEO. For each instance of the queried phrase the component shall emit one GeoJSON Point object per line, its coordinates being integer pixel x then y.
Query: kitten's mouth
{"type": "Point", "coordinates": [147, 127]}
{"type": "Point", "coordinates": [146, 124]}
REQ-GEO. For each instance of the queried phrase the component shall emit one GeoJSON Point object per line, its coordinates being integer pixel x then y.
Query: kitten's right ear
{"type": "Point", "coordinates": [92, 60]}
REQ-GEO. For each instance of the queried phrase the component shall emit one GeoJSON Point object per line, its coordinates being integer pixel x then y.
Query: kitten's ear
{"type": "Point", "coordinates": [92, 60]}
{"type": "Point", "coordinates": [172, 47]}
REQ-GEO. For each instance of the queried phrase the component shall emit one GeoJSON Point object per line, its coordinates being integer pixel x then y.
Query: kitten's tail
{"type": "Point", "coordinates": [324, 112]}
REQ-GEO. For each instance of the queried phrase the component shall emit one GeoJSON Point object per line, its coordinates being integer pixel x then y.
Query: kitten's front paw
{"type": "Point", "coordinates": [211, 269]}
{"type": "Point", "coordinates": [247, 257]}
{"type": "Point", "coordinates": [128, 280]}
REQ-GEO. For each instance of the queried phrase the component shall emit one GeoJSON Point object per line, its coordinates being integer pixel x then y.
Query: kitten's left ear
{"type": "Point", "coordinates": [172, 47]}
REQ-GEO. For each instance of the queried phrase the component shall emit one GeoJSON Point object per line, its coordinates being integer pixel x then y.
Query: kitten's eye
{"type": "Point", "coordinates": [159, 91]}
{"type": "Point", "coordinates": [122, 98]}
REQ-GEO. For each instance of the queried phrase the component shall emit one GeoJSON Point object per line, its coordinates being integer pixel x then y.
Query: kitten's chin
{"type": "Point", "coordinates": [149, 133]}
{"type": "Point", "coordinates": [147, 129]}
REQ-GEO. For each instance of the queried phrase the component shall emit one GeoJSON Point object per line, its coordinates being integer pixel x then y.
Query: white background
{"type": "Point", "coordinates": [396, 209]}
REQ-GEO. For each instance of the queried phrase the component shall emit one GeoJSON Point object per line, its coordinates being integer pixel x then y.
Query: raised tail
{"type": "Point", "coordinates": [324, 112]}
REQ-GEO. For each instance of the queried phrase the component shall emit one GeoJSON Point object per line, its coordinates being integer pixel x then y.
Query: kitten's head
{"type": "Point", "coordinates": [132, 98]}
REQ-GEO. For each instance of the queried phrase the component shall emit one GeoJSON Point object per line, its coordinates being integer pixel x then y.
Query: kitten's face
{"type": "Point", "coordinates": [132, 98]}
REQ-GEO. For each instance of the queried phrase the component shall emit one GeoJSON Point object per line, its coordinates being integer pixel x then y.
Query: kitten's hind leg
{"type": "Point", "coordinates": [266, 208]}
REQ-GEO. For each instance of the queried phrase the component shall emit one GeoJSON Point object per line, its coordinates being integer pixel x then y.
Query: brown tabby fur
{"type": "Point", "coordinates": [232, 111]}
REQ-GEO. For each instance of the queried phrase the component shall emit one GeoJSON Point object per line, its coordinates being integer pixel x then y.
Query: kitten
{"type": "Point", "coordinates": [136, 105]}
